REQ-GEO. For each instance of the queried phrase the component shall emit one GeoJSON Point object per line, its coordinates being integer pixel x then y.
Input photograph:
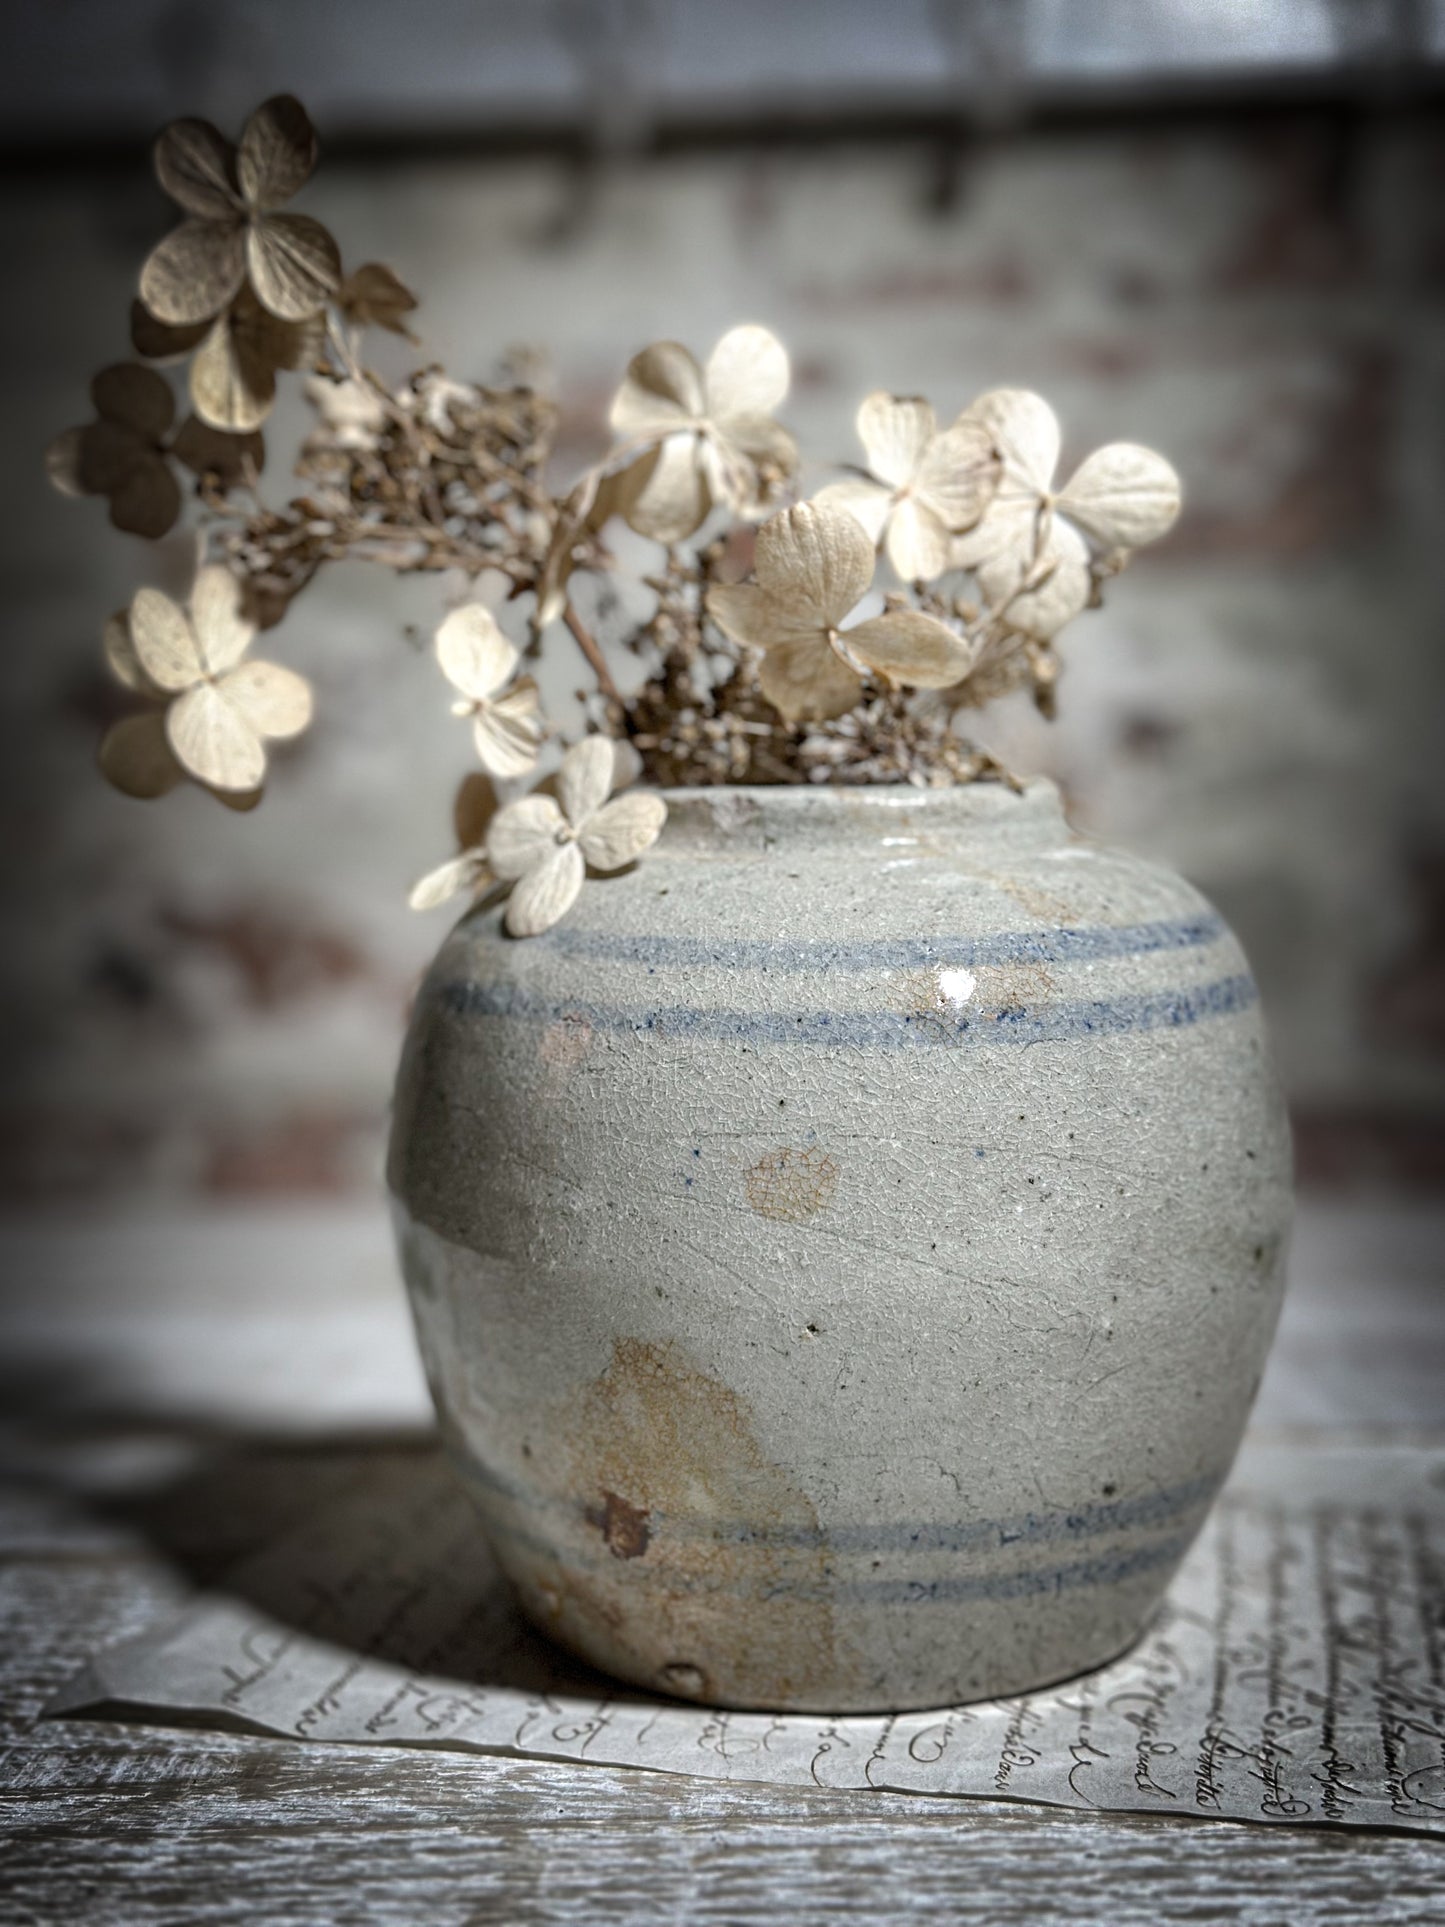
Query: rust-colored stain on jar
{"type": "Point", "coordinates": [717, 1584]}
{"type": "Point", "coordinates": [792, 1186]}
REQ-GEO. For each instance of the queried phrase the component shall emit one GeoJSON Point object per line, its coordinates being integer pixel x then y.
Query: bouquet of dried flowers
{"type": "Point", "coordinates": [770, 649]}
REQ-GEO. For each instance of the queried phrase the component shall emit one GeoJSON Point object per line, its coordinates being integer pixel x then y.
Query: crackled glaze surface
{"type": "Point", "coordinates": [845, 1251]}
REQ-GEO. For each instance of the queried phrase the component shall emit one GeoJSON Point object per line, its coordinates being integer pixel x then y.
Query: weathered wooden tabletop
{"type": "Point", "coordinates": [173, 1394]}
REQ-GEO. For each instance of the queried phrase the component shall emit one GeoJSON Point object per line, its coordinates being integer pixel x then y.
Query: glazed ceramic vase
{"type": "Point", "coordinates": [845, 1250]}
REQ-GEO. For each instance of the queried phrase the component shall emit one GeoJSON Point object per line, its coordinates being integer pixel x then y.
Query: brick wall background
{"type": "Point", "coordinates": [198, 1004]}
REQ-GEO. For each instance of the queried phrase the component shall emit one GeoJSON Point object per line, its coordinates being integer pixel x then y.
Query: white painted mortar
{"type": "Point", "coordinates": [845, 1251]}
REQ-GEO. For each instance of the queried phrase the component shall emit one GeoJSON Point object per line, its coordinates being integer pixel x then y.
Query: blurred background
{"type": "Point", "coordinates": [1215, 226]}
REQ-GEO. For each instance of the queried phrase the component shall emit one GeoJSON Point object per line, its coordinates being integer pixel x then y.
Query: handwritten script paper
{"type": "Point", "coordinates": [1296, 1675]}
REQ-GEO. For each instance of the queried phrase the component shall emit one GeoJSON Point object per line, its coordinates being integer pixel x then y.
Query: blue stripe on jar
{"type": "Point", "coordinates": [882, 1030]}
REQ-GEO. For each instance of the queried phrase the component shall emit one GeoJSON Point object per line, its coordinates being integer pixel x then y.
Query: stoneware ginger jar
{"type": "Point", "coordinates": [844, 1252]}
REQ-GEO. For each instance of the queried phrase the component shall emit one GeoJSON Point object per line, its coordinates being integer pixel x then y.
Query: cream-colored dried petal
{"type": "Point", "coordinates": [219, 621]}
{"type": "Point", "coordinates": [910, 647]}
{"type": "Point", "coordinates": [194, 272]}
{"type": "Point", "coordinates": [164, 642]}
{"type": "Point", "coordinates": [465, 872]}
{"type": "Point", "coordinates": [808, 681]}
{"type": "Point", "coordinates": [585, 778]}
{"type": "Point", "coordinates": [275, 701]}
{"type": "Point", "coordinates": [958, 475]}
{"type": "Point", "coordinates": [521, 835]}
{"type": "Point", "coordinates": [508, 731]}
{"type": "Point", "coordinates": [147, 500]}
{"type": "Point", "coordinates": [1062, 581]}
{"type": "Point", "coordinates": [622, 829]}
{"type": "Point", "coordinates": [1123, 496]}
{"type": "Point", "coordinates": [867, 502]}
{"type": "Point", "coordinates": [239, 801]}
{"type": "Point", "coordinates": [226, 459]}
{"type": "Point", "coordinates": [1004, 533]}
{"type": "Point", "coordinates": [748, 614]}
{"type": "Point", "coordinates": [729, 476]}
{"type": "Point", "coordinates": [372, 296]}
{"type": "Point", "coordinates": [814, 562]}
{"type": "Point", "coordinates": [136, 756]}
{"type": "Point", "coordinates": [294, 264]}
{"type": "Point", "coordinates": [214, 741]}
{"type": "Point", "coordinates": [196, 165]}
{"type": "Point", "coordinates": [546, 893]}
{"type": "Point", "coordinates": [108, 453]}
{"type": "Point", "coordinates": [919, 546]}
{"type": "Point", "coordinates": [232, 387]}
{"type": "Point", "coordinates": [473, 807]}
{"type": "Point", "coordinates": [63, 465]}
{"type": "Point", "coordinates": [626, 764]}
{"type": "Point", "coordinates": [134, 397]}
{"type": "Point", "coordinates": [663, 388]}
{"type": "Point", "coordinates": [895, 430]}
{"type": "Point", "coordinates": [277, 152]}
{"type": "Point", "coordinates": [746, 375]}
{"type": "Point", "coordinates": [1024, 429]}
{"type": "Point", "coordinates": [475, 656]}
{"type": "Point", "coordinates": [157, 340]}
{"type": "Point", "coordinates": [673, 500]}
{"type": "Point", "coordinates": [121, 658]}
{"type": "Point", "coordinates": [763, 442]}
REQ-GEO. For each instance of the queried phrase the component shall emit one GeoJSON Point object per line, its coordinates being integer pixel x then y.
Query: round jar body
{"type": "Point", "coordinates": [845, 1251]}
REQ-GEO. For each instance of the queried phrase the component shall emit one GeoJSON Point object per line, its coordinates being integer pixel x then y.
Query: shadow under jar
{"type": "Point", "coordinates": [844, 1252]}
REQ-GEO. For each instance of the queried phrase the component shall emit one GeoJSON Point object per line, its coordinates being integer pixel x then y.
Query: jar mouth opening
{"type": "Point", "coordinates": [726, 810]}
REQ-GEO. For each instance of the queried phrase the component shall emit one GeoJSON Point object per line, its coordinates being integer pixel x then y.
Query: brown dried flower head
{"type": "Point", "coordinates": [814, 564]}
{"type": "Point", "coordinates": [235, 228]}
{"type": "Point", "coordinates": [924, 485]}
{"type": "Point", "coordinates": [220, 710]}
{"type": "Point", "coordinates": [709, 433]}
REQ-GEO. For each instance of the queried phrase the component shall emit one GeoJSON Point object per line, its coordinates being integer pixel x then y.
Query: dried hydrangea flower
{"type": "Point", "coordinates": [235, 230]}
{"type": "Point", "coordinates": [924, 485]}
{"type": "Point", "coordinates": [480, 664]}
{"type": "Point", "coordinates": [124, 454]}
{"type": "Point", "coordinates": [544, 845]}
{"type": "Point", "coordinates": [372, 296]}
{"type": "Point", "coordinates": [135, 754]}
{"type": "Point", "coordinates": [710, 433]}
{"type": "Point", "coordinates": [813, 565]}
{"type": "Point", "coordinates": [1031, 551]}
{"type": "Point", "coordinates": [220, 710]}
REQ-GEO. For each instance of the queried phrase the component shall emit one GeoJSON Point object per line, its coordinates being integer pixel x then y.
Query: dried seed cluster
{"type": "Point", "coordinates": [836, 636]}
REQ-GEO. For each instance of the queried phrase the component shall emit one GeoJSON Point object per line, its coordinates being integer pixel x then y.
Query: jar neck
{"type": "Point", "coordinates": [757, 819]}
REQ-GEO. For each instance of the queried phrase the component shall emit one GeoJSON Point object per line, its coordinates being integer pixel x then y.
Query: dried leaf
{"type": "Point", "coordinates": [372, 296]}
{"type": "Point", "coordinates": [196, 165]}
{"type": "Point", "coordinates": [134, 397]}
{"type": "Point", "coordinates": [465, 872]}
{"type": "Point", "coordinates": [136, 757]}
{"type": "Point", "coordinates": [157, 340]}
{"type": "Point", "coordinates": [546, 893]}
{"type": "Point", "coordinates": [475, 656]}
{"type": "Point", "coordinates": [195, 272]}
{"type": "Point", "coordinates": [277, 152]}
{"type": "Point", "coordinates": [294, 264]}
{"type": "Point", "coordinates": [520, 836]}
{"type": "Point", "coordinates": [214, 741]}
{"type": "Point", "coordinates": [1123, 496]}
{"type": "Point", "coordinates": [621, 830]}
{"type": "Point", "coordinates": [816, 563]}
{"type": "Point", "coordinates": [147, 500]}
{"type": "Point", "coordinates": [895, 430]}
{"type": "Point", "coordinates": [585, 779]}
{"type": "Point", "coordinates": [746, 376]}
{"type": "Point", "coordinates": [910, 647]}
